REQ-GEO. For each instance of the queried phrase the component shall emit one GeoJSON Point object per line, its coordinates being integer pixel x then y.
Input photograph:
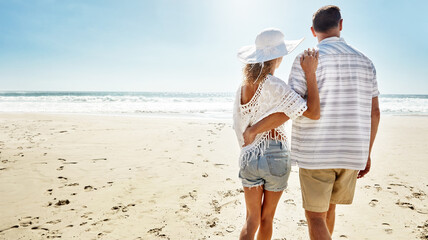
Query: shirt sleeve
{"type": "Point", "coordinates": [297, 80]}
{"type": "Point", "coordinates": [375, 90]}
{"type": "Point", "coordinates": [293, 105]}
{"type": "Point", "coordinates": [282, 98]}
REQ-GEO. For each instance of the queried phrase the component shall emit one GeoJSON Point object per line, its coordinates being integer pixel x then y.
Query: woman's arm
{"type": "Point", "coordinates": [309, 63]}
{"type": "Point", "coordinates": [270, 122]}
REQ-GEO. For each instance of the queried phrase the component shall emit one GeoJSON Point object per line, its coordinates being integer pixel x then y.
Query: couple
{"type": "Point", "coordinates": [332, 98]}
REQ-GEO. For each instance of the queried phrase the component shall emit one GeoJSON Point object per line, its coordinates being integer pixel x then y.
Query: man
{"type": "Point", "coordinates": [334, 151]}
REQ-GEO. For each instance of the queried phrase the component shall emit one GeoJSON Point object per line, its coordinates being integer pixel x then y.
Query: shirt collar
{"type": "Point", "coordinates": [331, 40]}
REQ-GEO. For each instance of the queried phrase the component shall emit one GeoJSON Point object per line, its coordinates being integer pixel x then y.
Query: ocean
{"type": "Point", "coordinates": [165, 104]}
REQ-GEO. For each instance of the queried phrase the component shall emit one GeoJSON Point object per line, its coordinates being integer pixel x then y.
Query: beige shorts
{"type": "Point", "coordinates": [322, 187]}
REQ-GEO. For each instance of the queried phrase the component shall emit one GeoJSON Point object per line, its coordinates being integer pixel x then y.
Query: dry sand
{"type": "Point", "coordinates": [107, 177]}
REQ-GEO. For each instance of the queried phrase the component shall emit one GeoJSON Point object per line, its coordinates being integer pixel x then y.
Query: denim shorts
{"type": "Point", "coordinates": [271, 170]}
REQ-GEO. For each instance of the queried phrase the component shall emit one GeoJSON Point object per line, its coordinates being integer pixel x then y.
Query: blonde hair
{"type": "Point", "coordinates": [252, 71]}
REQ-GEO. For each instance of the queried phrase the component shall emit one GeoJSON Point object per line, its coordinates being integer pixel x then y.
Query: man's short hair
{"type": "Point", "coordinates": [326, 18]}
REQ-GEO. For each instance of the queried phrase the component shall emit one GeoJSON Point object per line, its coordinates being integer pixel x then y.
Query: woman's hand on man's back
{"type": "Point", "coordinates": [309, 61]}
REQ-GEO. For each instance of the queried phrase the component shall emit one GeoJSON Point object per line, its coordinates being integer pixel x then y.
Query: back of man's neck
{"type": "Point", "coordinates": [320, 38]}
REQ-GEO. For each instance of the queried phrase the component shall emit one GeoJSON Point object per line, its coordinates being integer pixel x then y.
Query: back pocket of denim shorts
{"type": "Point", "coordinates": [278, 165]}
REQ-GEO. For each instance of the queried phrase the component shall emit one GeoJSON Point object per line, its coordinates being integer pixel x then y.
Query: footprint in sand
{"type": "Point", "coordinates": [86, 215]}
{"type": "Point", "coordinates": [184, 207]}
{"type": "Point", "coordinates": [212, 223]}
{"type": "Point", "coordinates": [157, 232]}
{"type": "Point", "coordinates": [216, 206]}
{"type": "Point", "coordinates": [419, 195]}
{"type": "Point", "coordinates": [39, 228]}
{"type": "Point", "coordinates": [302, 222]}
{"type": "Point", "coordinates": [193, 195]}
{"type": "Point", "coordinates": [230, 228]}
{"type": "Point", "coordinates": [62, 202]}
{"type": "Point", "coordinates": [229, 193]}
{"type": "Point", "coordinates": [220, 165]}
{"type": "Point", "coordinates": [89, 188]}
{"type": "Point", "coordinates": [5, 229]}
{"type": "Point", "coordinates": [378, 187]}
{"type": "Point", "coordinates": [72, 184]}
{"type": "Point", "coordinates": [424, 230]}
{"type": "Point", "coordinates": [290, 201]}
{"type": "Point", "coordinates": [123, 208]}
{"type": "Point", "coordinates": [102, 220]}
{"type": "Point", "coordinates": [373, 202]}
{"type": "Point", "coordinates": [27, 221]}
{"type": "Point", "coordinates": [53, 233]}
{"type": "Point", "coordinates": [98, 159]}
{"type": "Point", "coordinates": [54, 221]}
{"type": "Point", "coordinates": [405, 205]}
{"type": "Point", "coordinates": [411, 206]}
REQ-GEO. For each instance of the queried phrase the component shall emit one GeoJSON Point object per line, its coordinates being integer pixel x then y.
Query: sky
{"type": "Point", "coordinates": [191, 45]}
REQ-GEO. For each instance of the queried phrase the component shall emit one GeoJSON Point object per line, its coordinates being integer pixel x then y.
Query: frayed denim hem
{"type": "Point", "coordinates": [276, 189]}
{"type": "Point", "coordinates": [253, 186]}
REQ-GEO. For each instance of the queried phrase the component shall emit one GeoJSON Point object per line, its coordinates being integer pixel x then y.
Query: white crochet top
{"type": "Point", "coordinates": [272, 95]}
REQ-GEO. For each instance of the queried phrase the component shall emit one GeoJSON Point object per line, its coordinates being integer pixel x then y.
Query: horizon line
{"type": "Point", "coordinates": [115, 91]}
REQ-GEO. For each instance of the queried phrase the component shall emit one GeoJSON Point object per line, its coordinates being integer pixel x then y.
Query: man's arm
{"type": "Point", "coordinates": [374, 126]}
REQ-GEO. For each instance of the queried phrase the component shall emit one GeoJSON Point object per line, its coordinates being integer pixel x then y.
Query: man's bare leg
{"type": "Point", "coordinates": [331, 214]}
{"type": "Point", "coordinates": [317, 225]}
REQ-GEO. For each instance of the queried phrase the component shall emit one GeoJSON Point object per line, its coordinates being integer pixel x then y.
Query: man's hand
{"type": "Point", "coordinates": [362, 173]}
{"type": "Point", "coordinates": [249, 136]}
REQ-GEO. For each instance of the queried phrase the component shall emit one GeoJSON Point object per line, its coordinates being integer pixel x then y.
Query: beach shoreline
{"type": "Point", "coordinates": [110, 177]}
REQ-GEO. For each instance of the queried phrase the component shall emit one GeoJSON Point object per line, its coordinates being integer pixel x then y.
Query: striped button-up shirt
{"type": "Point", "coordinates": [347, 83]}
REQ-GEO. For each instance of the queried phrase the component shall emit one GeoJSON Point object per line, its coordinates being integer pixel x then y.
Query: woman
{"type": "Point", "coordinates": [265, 162]}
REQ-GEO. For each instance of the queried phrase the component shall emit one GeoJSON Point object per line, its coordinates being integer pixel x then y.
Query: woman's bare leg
{"type": "Point", "coordinates": [270, 201]}
{"type": "Point", "coordinates": [253, 202]}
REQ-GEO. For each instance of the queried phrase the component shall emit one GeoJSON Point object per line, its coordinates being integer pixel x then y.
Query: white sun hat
{"type": "Point", "coordinates": [270, 44]}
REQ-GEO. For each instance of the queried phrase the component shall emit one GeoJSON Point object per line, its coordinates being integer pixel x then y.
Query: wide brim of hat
{"type": "Point", "coordinates": [250, 54]}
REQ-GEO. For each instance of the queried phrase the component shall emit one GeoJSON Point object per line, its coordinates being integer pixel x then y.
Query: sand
{"type": "Point", "coordinates": [117, 177]}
